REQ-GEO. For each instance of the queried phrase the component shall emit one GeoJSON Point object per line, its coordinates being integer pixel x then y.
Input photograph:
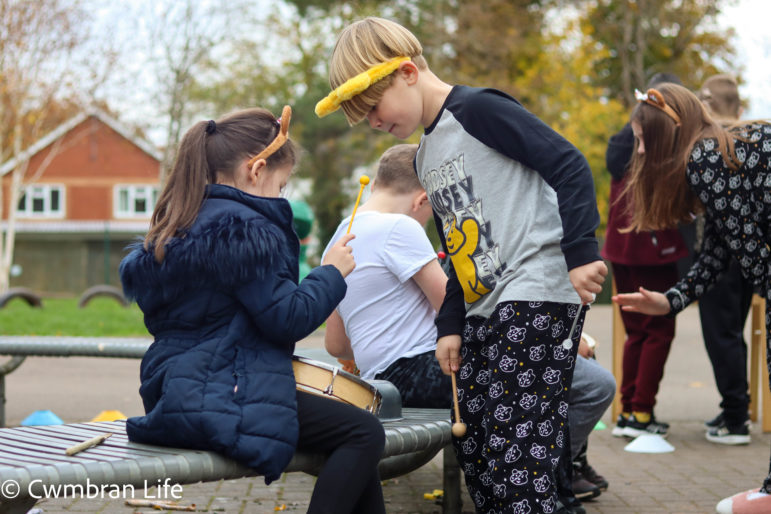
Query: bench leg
{"type": "Point", "coordinates": [17, 506]}
{"type": "Point", "coordinates": [451, 501]}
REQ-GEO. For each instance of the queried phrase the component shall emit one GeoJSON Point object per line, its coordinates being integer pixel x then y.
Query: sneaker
{"type": "Point", "coordinates": [748, 502]}
{"type": "Point", "coordinates": [636, 428]}
{"type": "Point", "coordinates": [618, 430]}
{"type": "Point", "coordinates": [584, 489]}
{"type": "Point", "coordinates": [724, 434]}
{"type": "Point", "coordinates": [589, 473]}
{"type": "Point", "coordinates": [716, 421]}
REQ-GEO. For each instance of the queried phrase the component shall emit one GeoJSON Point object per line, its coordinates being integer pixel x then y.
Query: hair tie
{"type": "Point", "coordinates": [211, 127]}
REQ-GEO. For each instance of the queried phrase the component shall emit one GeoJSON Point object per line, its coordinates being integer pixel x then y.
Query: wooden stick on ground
{"type": "Point", "coordinates": [87, 444]}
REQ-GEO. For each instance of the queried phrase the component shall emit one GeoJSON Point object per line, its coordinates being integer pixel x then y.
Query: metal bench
{"type": "Point", "coordinates": [32, 458]}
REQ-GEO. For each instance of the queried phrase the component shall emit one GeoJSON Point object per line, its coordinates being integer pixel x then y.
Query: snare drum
{"type": "Point", "coordinates": [323, 379]}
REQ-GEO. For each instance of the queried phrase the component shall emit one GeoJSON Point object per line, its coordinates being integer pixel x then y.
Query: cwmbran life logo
{"type": "Point", "coordinates": [37, 489]}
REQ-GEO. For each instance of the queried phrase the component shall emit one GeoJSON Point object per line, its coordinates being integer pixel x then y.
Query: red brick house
{"type": "Point", "coordinates": [75, 218]}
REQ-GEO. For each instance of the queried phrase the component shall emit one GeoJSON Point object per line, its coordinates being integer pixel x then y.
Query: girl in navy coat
{"type": "Point", "coordinates": [217, 281]}
{"type": "Point", "coordinates": [685, 162]}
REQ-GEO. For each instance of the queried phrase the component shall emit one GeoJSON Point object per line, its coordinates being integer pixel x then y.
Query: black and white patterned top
{"type": "Point", "coordinates": [738, 205]}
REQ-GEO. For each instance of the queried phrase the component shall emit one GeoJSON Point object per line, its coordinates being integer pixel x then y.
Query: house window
{"type": "Point", "coordinates": [135, 201]}
{"type": "Point", "coordinates": [41, 201]}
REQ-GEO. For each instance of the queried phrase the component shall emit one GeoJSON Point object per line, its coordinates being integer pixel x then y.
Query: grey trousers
{"type": "Point", "coordinates": [590, 395]}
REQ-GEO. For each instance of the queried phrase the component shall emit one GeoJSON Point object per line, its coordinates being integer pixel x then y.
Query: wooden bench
{"type": "Point", "coordinates": [32, 458]}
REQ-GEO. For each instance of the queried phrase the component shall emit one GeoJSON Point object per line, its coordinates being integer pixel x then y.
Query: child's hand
{"type": "Point", "coordinates": [587, 280]}
{"type": "Point", "coordinates": [341, 256]}
{"type": "Point", "coordinates": [448, 353]}
{"type": "Point", "coordinates": [644, 302]}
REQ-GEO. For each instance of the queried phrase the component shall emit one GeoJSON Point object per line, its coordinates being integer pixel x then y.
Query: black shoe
{"type": "Point", "coordinates": [636, 428]}
{"type": "Point", "coordinates": [724, 434]}
{"type": "Point", "coordinates": [618, 430]}
{"type": "Point", "coordinates": [716, 421]}
{"type": "Point", "coordinates": [590, 474]}
{"type": "Point", "coordinates": [583, 489]}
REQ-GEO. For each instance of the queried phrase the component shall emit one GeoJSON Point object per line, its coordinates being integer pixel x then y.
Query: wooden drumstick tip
{"type": "Point", "coordinates": [364, 180]}
{"type": "Point", "coordinates": [458, 429]}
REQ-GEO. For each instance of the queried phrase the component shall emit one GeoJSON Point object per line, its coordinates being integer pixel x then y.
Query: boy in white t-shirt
{"type": "Point", "coordinates": [386, 320]}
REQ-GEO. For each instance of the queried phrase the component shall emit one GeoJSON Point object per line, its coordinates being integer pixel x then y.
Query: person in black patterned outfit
{"type": "Point", "coordinates": [685, 162]}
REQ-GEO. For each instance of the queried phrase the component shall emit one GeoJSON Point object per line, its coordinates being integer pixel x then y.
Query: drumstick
{"type": "Point", "coordinates": [458, 428]}
{"type": "Point", "coordinates": [363, 180]}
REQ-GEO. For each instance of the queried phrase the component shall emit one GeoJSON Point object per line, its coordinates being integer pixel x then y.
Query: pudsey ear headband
{"type": "Point", "coordinates": [656, 99]}
{"type": "Point", "coordinates": [281, 137]}
{"type": "Point", "coordinates": [355, 85]}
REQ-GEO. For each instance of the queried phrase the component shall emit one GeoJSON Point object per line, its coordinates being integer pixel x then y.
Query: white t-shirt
{"type": "Point", "coordinates": [386, 314]}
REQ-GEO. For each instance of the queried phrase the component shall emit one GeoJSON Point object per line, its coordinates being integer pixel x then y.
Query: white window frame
{"type": "Point", "coordinates": [134, 192]}
{"type": "Point", "coordinates": [43, 192]}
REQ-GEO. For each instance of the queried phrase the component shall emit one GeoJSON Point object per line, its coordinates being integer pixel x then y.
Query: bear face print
{"type": "Point", "coordinates": [499, 490]}
{"type": "Point", "coordinates": [572, 311]}
{"type": "Point", "coordinates": [538, 451]}
{"type": "Point", "coordinates": [534, 305]}
{"type": "Point", "coordinates": [563, 409]}
{"type": "Point", "coordinates": [523, 429]}
{"type": "Point", "coordinates": [516, 334]}
{"type": "Point", "coordinates": [506, 312]}
{"type": "Point", "coordinates": [492, 352]}
{"type": "Point", "coordinates": [560, 439]}
{"type": "Point", "coordinates": [468, 470]}
{"type": "Point", "coordinates": [542, 484]}
{"type": "Point", "coordinates": [496, 443]}
{"type": "Point", "coordinates": [709, 145]}
{"type": "Point", "coordinates": [508, 364]}
{"type": "Point", "coordinates": [460, 395]}
{"type": "Point", "coordinates": [466, 370]}
{"type": "Point", "coordinates": [555, 462]}
{"type": "Point", "coordinates": [734, 181]}
{"type": "Point", "coordinates": [486, 479]}
{"type": "Point", "coordinates": [545, 406]}
{"type": "Point", "coordinates": [482, 333]}
{"type": "Point", "coordinates": [557, 329]}
{"type": "Point", "coordinates": [545, 428]}
{"type": "Point", "coordinates": [719, 185]}
{"type": "Point", "coordinates": [526, 378]}
{"type": "Point", "coordinates": [548, 505]}
{"type": "Point", "coordinates": [518, 476]}
{"type": "Point", "coordinates": [560, 352]}
{"type": "Point", "coordinates": [476, 403]}
{"type": "Point", "coordinates": [551, 376]}
{"type": "Point", "coordinates": [503, 413]}
{"type": "Point", "coordinates": [522, 507]}
{"type": "Point", "coordinates": [484, 377]}
{"type": "Point", "coordinates": [741, 154]}
{"type": "Point", "coordinates": [468, 330]}
{"type": "Point", "coordinates": [496, 389]}
{"type": "Point", "coordinates": [528, 401]}
{"type": "Point", "coordinates": [512, 454]}
{"type": "Point", "coordinates": [537, 353]}
{"type": "Point", "coordinates": [479, 499]}
{"type": "Point", "coordinates": [541, 321]}
{"type": "Point", "coordinates": [767, 145]}
{"type": "Point", "coordinates": [468, 446]}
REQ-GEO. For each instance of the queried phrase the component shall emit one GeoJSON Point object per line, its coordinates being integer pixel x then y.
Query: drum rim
{"type": "Point", "coordinates": [340, 371]}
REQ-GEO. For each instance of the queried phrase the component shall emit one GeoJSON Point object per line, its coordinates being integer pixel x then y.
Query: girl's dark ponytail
{"type": "Point", "coordinates": [184, 191]}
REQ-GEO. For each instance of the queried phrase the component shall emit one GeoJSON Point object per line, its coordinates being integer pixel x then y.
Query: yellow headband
{"type": "Point", "coordinates": [356, 85]}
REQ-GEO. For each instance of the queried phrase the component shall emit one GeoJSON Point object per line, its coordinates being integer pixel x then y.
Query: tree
{"type": "Point", "coordinates": [39, 44]}
{"type": "Point", "coordinates": [643, 37]}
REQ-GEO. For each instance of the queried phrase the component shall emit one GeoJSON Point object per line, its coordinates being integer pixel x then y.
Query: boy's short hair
{"type": "Point", "coordinates": [721, 94]}
{"type": "Point", "coordinates": [396, 170]}
{"type": "Point", "coordinates": [361, 46]}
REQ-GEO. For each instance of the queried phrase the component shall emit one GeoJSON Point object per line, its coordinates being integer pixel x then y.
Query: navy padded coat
{"type": "Point", "coordinates": [225, 310]}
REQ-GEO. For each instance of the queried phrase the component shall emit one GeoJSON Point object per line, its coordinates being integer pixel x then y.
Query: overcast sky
{"type": "Point", "coordinates": [753, 43]}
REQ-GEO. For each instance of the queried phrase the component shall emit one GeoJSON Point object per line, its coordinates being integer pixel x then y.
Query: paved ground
{"type": "Point", "coordinates": [693, 478]}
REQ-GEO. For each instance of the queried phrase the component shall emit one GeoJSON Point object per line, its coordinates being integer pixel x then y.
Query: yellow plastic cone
{"type": "Point", "coordinates": [109, 415]}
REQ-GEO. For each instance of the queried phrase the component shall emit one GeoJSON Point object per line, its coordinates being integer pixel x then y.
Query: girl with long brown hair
{"type": "Point", "coordinates": [217, 280]}
{"type": "Point", "coordinates": [685, 162]}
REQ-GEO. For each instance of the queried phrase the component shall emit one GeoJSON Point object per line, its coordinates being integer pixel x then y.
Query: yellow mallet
{"type": "Point", "coordinates": [363, 180]}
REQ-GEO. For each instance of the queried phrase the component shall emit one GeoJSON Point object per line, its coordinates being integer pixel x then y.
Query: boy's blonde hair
{"type": "Point", "coordinates": [720, 94]}
{"type": "Point", "coordinates": [396, 170]}
{"type": "Point", "coordinates": [361, 46]}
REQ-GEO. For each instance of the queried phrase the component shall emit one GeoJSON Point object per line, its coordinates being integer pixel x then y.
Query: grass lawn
{"type": "Point", "coordinates": [62, 317]}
